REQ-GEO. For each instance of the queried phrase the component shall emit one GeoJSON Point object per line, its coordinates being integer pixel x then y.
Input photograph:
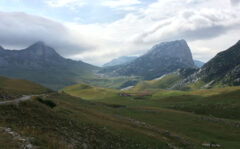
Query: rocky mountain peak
{"type": "Point", "coordinates": [162, 59]}
{"type": "Point", "coordinates": [41, 49]}
{"type": "Point", "coordinates": [174, 49]}
{"type": "Point", "coordinates": [40, 43]}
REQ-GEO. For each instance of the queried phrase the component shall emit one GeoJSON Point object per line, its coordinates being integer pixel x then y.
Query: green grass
{"type": "Point", "coordinates": [90, 93]}
{"type": "Point", "coordinates": [73, 122]}
{"type": "Point", "coordinates": [6, 141]}
{"type": "Point", "coordinates": [163, 83]}
{"type": "Point", "coordinates": [218, 102]}
{"type": "Point", "coordinates": [209, 115]}
{"type": "Point", "coordinates": [101, 118]}
{"type": "Point", "coordinates": [112, 82]}
{"type": "Point", "coordinates": [12, 88]}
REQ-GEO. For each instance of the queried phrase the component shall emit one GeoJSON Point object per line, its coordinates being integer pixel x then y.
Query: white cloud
{"type": "Point", "coordinates": [127, 5]}
{"type": "Point", "coordinates": [20, 30]}
{"type": "Point", "coordinates": [209, 26]}
{"type": "Point", "coordinates": [66, 3]}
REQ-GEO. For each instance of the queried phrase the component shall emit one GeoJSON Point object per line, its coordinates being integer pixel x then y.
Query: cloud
{"type": "Point", "coordinates": [192, 25]}
{"type": "Point", "coordinates": [66, 3]}
{"type": "Point", "coordinates": [209, 26]}
{"type": "Point", "coordinates": [121, 4]}
{"type": "Point", "coordinates": [20, 30]}
{"type": "Point", "coordinates": [234, 2]}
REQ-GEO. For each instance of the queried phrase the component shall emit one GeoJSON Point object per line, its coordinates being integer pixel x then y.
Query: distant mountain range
{"type": "Point", "coordinates": [127, 59]}
{"type": "Point", "coordinates": [163, 58]}
{"type": "Point", "coordinates": [222, 70]}
{"type": "Point", "coordinates": [198, 63]}
{"type": "Point", "coordinates": [41, 64]}
{"type": "Point", "coordinates": [119, 61]}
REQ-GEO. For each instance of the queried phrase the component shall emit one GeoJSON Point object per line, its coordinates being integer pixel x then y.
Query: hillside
{"type": "Point", "coordinates": [224, 66]}
{"type": "Point", "coordinates": [167, 81]}
{"type": "Point", "coordinates": [89, 92]}
{"type": "Point", "coordinates": [222, 70]}
{"type": "Point", "coordinates": [41, 64]}
{"type": "Point", "coordinates": [162, 59]}
{"type": "Point", "coordinates": [203, 112]}
{"type": "Point", "coordinates": [106, 118]}
{"type": "Point", "coordinates": [164, 82]}
{"type": "Point", "coordinates": [12, 88]}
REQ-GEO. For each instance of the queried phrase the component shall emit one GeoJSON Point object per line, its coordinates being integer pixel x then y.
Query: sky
{"type": "Point", "coordinates": [96, 31]}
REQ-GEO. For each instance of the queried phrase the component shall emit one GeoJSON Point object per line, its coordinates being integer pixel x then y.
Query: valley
{"type": "Point", "coordinates": [101, 118]}
{"type": "Point", "coordinates": [119, 74]}
{"type": "Point", "coordinates": [178, 107]}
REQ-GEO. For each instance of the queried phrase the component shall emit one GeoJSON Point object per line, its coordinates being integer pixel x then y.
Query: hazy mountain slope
{"type": "Point", "coordinates": [41, 64]}
{"type": "Point", "coordinates": [198, 63]}
{"type": "Point", "coordinates": [119, 61]}
{"type": "Point", "coordinates": [162, 59]}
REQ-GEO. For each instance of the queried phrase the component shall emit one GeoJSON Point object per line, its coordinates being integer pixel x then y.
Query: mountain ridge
{"type": "Point", "coordinates": [161, 59]}
{"type": "Point", "coordinates": [42, 64]}
{"type": "Point", "coordinates": [221, 70]}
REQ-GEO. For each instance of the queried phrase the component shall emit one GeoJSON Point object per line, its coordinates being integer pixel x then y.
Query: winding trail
{"type": "Point", "coordinates": [24, 98]}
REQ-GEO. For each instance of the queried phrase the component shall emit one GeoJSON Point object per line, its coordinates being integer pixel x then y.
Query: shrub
{"type": "Point", "coordinates": [49, 103]}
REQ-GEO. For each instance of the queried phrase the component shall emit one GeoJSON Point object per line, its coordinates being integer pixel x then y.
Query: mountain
{"type": "Point", "coordinates": [198, 63]}
{"type": "Point", "coordinates": [224, 67]}
{"type": "Point", "coordinates": [162, 59]}
{"type": "Point", "coordinates": [222, 70]}
{"type": "Point", "coordinates": [42, 64]}
{"type": "Point", "coordinates": [119, 61]}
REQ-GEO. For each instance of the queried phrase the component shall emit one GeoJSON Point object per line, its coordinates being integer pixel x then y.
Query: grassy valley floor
{"type": "Point", "coordinates": [185, 118]}
{"type": "Point", "coordinates": [106, 118]}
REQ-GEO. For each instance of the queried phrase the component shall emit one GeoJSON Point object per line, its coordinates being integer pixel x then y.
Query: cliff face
{"type": "Point", "coordinates": [161, 59]}
{"type": "Point", "coordinates": [176, 49]}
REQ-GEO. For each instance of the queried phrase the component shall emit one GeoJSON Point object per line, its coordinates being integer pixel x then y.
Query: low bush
{"type": "Point", "coordinates": [49, 103]}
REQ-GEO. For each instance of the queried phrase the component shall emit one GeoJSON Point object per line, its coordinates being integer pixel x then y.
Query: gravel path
{"type": "Point", "coordinates": [24, 98]}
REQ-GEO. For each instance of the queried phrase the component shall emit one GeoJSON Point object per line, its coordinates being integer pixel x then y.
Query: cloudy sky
{"type": "Point", "coordinates": [97, 31]}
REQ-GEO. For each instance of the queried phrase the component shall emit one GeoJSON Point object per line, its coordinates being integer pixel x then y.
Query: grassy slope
{"type": "Point", "coordinates": [200, 115]}
{"type": "Point", "coordinates": [166, 82]}
{"type": "Point", "coordinates": [90, 93]}
{"type": "Point", "coordinates": [14, 87]}
{"type": "Point", "coordinates": [178, 118]}
{"type": "Point", "coordinates": [219, 102]}
{"type": "Point", "coordinates": [73, 123]}
{"type": "Point", "coordinates": [113, 82]}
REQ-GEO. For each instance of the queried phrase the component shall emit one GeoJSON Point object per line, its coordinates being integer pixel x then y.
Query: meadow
{"type": "Point", "coordinates": [92, 117]}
